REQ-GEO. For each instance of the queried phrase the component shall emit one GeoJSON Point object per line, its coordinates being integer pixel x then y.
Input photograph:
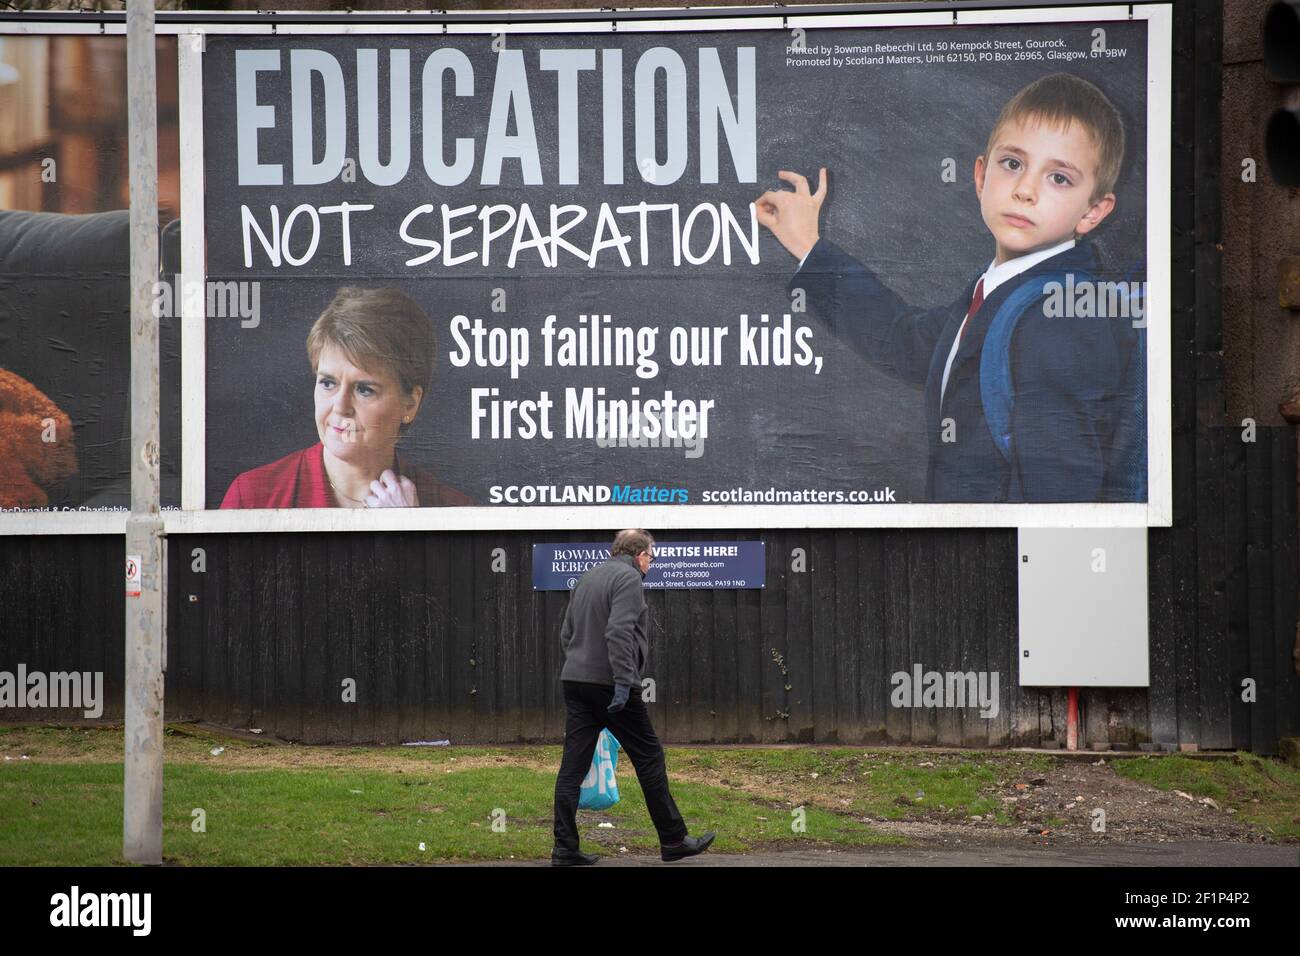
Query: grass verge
{"type": "Point", "coordinates": [1265, 793]}
{"type": "Point", "coordinates": [263, 805]}
{"type": "Point", "coordinates": [268, 803]}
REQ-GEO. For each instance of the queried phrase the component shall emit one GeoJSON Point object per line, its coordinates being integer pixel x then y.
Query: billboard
{"type": "Point", "coordinates": [64, 281]}
{"type": "Point", "coordinates": [825, 270]}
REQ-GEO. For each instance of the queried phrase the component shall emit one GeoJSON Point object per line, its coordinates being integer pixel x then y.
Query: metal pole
{"type": "Point", "coordinates": [142, 804]}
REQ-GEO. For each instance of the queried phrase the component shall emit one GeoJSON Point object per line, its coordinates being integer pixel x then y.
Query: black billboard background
{"type": "Point", "coordinates": [883, 132]}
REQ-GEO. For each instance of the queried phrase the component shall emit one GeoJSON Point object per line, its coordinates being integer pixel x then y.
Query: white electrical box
{"type": "Point", "coordinates": [1083, 607]}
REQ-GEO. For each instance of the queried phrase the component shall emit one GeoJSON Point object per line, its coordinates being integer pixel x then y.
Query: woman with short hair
{"type": "Point", "coordinates": [372, 353]}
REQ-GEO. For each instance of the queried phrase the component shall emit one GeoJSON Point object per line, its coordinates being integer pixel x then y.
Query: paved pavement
{"type": "Point", "coordinates": [1129, 854]}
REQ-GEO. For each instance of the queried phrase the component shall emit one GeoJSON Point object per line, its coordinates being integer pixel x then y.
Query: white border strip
{"type": "Point", "coordinates": [540, 518]}
{"type": "Point", "coordinates": [193, 270]}
{"type": "Point", "coordinates": [1040, 15]}
{"type": "Point", "coordinates": [797, 16]}
{"type": "Point", "coordinates": [659, 516]}
{"type": "Point", "coordinates": [37, 28]}
{"type": "Point", "coordinates": [64, 522]}
{"type": "Point", "coordinates": [942, 18]}
{"type": "Point", "coordinates": [1160, 325]}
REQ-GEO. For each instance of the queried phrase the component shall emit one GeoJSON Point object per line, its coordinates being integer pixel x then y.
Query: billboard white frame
{"type": "Point", "coordinates": [192, 517]}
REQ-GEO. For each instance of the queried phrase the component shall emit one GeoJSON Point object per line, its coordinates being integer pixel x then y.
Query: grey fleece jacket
{"type": "Point", "coordinates": [604, 630]}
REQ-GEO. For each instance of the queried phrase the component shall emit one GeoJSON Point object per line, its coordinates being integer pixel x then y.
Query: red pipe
{"type": "Point", "coordinates": [1072, 721]}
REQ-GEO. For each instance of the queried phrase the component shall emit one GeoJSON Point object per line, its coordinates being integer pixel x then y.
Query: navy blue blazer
{"type": "Point", "coordinates": [1067, 373]}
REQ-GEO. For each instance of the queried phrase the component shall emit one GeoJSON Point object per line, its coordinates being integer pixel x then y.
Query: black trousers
{"type": "Point", "coordinates": [587, 705]}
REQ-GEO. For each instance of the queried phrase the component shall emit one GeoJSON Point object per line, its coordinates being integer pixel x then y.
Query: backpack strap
{"type": "Point", "coordinates": [997, 389]}
{"type": "Point", "coordinates": [1127, 471]}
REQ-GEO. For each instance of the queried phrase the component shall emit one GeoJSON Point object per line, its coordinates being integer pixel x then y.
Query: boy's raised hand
{"type": "Point", "coordinates": [792, 214]}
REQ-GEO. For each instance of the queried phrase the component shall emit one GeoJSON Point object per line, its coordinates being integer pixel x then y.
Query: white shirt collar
{"type": "Point", "coordinates": [995, 275]}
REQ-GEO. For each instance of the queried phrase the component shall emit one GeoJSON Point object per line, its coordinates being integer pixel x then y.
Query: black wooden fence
{"type": "Point", "coordinates": [442, 646]}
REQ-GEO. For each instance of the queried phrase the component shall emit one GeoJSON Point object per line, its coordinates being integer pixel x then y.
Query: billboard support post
{"type": "Point", "coordinates": [145, 649]}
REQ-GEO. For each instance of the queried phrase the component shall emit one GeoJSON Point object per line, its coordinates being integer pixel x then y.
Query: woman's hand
{"type": "Point", "coordinates": [392, 491]}
{"type": "Point", "coordinates": [792, 215]}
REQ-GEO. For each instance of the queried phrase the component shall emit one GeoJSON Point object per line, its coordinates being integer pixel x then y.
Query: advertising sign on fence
{"type": "Point", "coordinates": [726, 565]}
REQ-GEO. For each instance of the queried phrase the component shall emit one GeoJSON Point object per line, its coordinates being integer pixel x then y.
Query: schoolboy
{"type": "Point", "coordinates": [1045, 181]}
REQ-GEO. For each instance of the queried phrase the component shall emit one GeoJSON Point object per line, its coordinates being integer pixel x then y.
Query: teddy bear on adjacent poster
{"type": "Point", "coordinates": [37, 448]}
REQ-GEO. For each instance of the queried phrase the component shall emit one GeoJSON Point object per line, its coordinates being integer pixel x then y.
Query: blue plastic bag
{"type": "Point", "coordinates": [600, 788]}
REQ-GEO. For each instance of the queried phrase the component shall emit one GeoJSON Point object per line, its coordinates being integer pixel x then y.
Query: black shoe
{"type": "Point", "coordinates": [572, 858]}
{"type": "Point", "coordinates": [688, 847]}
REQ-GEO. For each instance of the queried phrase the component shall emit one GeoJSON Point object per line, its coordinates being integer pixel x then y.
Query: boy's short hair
{"type": "Point", "coordinates": [1062, 98]}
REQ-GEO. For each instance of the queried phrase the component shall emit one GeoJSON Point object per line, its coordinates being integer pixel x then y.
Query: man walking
{"type": "Point", "coordinates": [605, 648]}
